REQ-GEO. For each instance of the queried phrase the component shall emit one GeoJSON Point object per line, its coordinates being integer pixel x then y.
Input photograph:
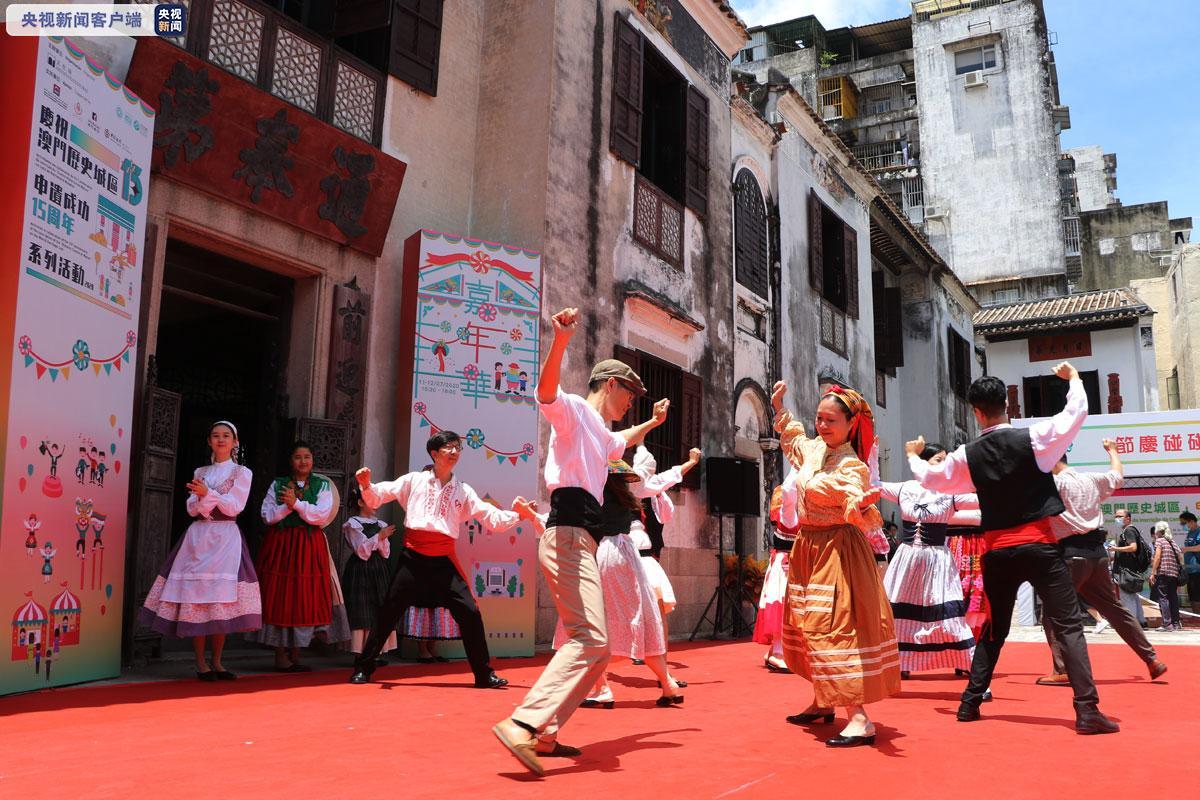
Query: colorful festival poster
{"type": "Point", "coordinates": [470, 328]}
{"type": "Point", "coordinates": [1151, 443]}
{"type": "Point", "coordinates": [71, 295]}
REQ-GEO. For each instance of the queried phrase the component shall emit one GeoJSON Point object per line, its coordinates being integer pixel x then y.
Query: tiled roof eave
{"type": "Point", "coordinates": [1073, 321]}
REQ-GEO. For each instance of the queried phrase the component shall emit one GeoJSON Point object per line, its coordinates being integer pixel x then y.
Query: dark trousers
{"type": "Point", "coordinates": [1094, 584]}
{"type": "Point", "coordinates": [1168, 598]}
{"type": "Point", "coordinates": [1041, 565]}
{"type": "Point", "coordinates": [429, 582]}
{"type": "Point", "coordinates": [1193, 588]}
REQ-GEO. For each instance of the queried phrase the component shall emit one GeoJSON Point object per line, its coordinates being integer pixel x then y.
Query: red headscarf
{"type": "Point", "coordinates": [862, 421]}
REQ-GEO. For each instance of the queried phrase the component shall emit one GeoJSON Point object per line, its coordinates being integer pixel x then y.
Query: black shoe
{"type": "Point", "coordinates": [967, 712]}
{"type": "Point", "coordinates": [207, 677]}
{"type": "Point", "coordinates": [850, 741]}
{"type": "Point", "coordinates": [225, 675]}
{"type": "Point", "coordinates": [605, 704]}
{"type": "Point", "coordinates": [904, 675]}
{"type": "Point", "coordinates": [425, 659]}
{"type": "Point", "coordinates": [1093, 722]}
{"type": "Point", "coordinates": [380, 662]}
{"type": "Point", "coordinates": [360, 676]}
{"type": "Point", "coordinates": [669, 700]}
{"type": "Point", "coordinates": [493, 681]}
{"type": "Point", "coordinates": [636, 662]}
{"type": "Point", "coordinates": [987, 696]}
{"type": "Point", "coordinates": [825, 717]}
{"type": "Point", "coordinates": [961, 673]}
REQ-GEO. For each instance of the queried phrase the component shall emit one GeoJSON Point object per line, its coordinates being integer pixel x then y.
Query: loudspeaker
{"type": "Point", "coordinates": [733, 487]}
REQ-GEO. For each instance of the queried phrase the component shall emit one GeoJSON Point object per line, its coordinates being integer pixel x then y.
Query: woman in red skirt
{"type": "Point", "coordinates": [294, 565]}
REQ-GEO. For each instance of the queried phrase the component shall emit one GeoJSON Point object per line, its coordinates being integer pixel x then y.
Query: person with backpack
{"type": "Point", "coordinates": [1164, 574]}
{"type": "Point", "coordinates": [1131, 560]}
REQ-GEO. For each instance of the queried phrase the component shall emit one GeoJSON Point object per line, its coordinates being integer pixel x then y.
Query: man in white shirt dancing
{"type": "Point", "coordinates": [581, 445]}
{"type": "Point", "coordinates": [1009, 469]}
{"type": "Point", "coordinates": [436, 504]}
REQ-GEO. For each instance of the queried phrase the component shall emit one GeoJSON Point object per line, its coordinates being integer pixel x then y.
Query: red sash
{"type": "Point", "coordinates": [431, 543]}
{"type": "Point", "coordinates": [1037, 532]}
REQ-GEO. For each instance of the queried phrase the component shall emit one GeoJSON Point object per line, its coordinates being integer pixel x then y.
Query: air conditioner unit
{"type": "Point", "coordinates": [934, 212]}
{"type": "Point", "coordinates": [893, 136]}
{"type": "Point", "coordinates": [976, 78]}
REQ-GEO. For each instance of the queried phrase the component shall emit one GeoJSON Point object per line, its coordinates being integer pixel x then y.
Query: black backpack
{"type": "Point", "coordinates": [1140, 558]}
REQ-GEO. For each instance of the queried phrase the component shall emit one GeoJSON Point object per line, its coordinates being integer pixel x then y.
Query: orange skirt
{"type": "Point", "coordinates": [837, 623]}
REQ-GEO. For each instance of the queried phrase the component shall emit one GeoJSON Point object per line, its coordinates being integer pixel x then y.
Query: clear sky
{"type": "Point", "coordinates": [1128, 71]}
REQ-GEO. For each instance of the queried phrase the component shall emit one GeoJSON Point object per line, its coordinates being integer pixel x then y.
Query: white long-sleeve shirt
{"type": "Point", "coordinates": [1082, 493]}
{"type": "Point", "coordinates": [229, 504]}
{"type": "Point", "coordinates": [312, 513]}
{"type": "Point", "coordinates": [1050, 439]}
{"type": "Point", "coordinates": [365, 546]}
{"type": "Point", "coordinates": [581, 445]}
{"type": "Point", "coordinates": [430, 505]}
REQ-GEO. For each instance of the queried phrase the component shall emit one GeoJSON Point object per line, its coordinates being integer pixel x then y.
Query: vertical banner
{"type": "Point", "coordinates": [470, 328]}
{"type": "Point", "coordinates": [85, 164]}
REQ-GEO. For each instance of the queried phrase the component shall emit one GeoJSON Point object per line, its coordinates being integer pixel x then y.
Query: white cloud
{"type": "Point", "coordinates": [831, 13]}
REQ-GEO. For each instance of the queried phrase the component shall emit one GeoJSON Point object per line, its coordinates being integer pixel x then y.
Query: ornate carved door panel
{"type": "Point", "coordinates": [150, 540]}
{"type": "Point", "coordinates": [330, 441]}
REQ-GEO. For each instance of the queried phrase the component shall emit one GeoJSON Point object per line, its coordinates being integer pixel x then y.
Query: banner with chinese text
{"type": "Point", "coordinates": [83, 164]}
{"type": "Point", "coordinates": [470, 327]}
{"type": "Point", "coordinates": [1150, 442]}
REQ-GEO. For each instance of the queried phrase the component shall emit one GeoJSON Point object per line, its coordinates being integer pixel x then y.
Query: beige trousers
{"type": "Point", "coordinates": [568, 559]}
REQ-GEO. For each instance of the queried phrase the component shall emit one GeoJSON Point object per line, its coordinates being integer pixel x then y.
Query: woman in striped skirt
{"type": "Point", "coordinates": [837, 623]}
{"type": "Point", "coordinates": [922, 580]}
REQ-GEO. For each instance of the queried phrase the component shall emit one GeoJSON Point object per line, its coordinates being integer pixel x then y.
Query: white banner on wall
{"type": "Point", "coordinates": [1150, 442]}
{"type": "Point", "coordinates": [66, 451]}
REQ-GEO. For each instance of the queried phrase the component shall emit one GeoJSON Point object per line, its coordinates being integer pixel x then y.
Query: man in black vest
{"type": "Point", "coordinates": [1009, 469]}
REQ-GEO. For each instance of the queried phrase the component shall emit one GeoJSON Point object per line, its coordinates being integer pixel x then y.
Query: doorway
{"type": "Point", "coordinates": [222, 346]}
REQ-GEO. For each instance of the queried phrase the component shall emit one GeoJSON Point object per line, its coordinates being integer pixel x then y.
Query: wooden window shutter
{"type": "Point", "coordinates": [895, 327]}
{"type": "Point", "coordinates": [696, 155]}
{"type": "Point", "coordinates": [355, 16]}
{"type": "Point", "coordinates": [750, 249]}
{"type": "Point", "coordinates": [631, 357]}
{"type": "Point", "coordinates": [883, 357]}
{"type": "Point", "coordinates": [416, 43]}
{"type": "Point", "coordinates": [850, 240]}
{"type": "Point", "coordinates": [691, 416]}
{"type": "Point", "coordinates": [816, 261]}
{"type": "Point", "coordinates": [625, 136]}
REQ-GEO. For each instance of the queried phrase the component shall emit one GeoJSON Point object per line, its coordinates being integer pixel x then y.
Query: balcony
{"type": "Point", "coordinates": [881, 156]}
{"type": "Point", "coordinates": [278, 55]}
{"type": "Point", "coordinates": [836, 99]}
{"type": "Point", "coordinates": [657, 222]}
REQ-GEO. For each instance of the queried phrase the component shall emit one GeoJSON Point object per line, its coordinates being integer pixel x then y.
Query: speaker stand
{"type": "Point", "coordinates": [728, 617]}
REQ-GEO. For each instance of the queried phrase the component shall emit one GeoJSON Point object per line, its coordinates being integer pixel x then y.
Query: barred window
{"type": "Point", "coordinates": [750, 254]}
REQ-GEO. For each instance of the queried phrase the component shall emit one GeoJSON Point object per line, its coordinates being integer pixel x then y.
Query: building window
{"type": "Point", "coordinates": [750, 256]}
{"type": "Point", "coordinates": [1002, 296]}
{"type": "Point", "coordinates": [833, 328]}
{"type": "Point", "coordinates": [751, 321]}
{"type": "Point", "coordinates": [1046, 395]}
{"type": "Point", "coordinates": [416, 43]}
{"type": "Point", "coordinates": [659, 121]}
{"type": "Point", "coordinates": [974, 59]}
{"type": "Point", "coordinates": [836, 99]}
{"type": "Point", "coordinates": [670, 442]}
{"type": "Point", "coordinates": [959, 356]}
{"type": "Point", "coordinates": [832, 257]}
{"type": "Point", "coordinates": [889, 338]}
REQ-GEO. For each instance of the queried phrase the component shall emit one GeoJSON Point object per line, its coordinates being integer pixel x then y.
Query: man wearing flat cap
{"type": "Point", "coordinates": [581, 444]}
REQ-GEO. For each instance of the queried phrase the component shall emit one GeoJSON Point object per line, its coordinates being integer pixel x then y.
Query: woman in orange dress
{"type": "Point", "coordinates": [837, 622]}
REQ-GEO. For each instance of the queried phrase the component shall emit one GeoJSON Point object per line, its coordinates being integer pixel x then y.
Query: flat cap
{"type": "Point", "coordinates": [612, 368]}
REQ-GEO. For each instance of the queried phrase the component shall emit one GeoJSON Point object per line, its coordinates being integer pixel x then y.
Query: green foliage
{"type": "Point", "coordinates": [828, 59]}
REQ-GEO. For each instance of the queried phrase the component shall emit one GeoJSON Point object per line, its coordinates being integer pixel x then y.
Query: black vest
{"type": "Point", "coordinates": [1012, 489]}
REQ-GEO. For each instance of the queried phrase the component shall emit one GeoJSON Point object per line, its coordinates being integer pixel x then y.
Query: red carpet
{"type": "Point", "coordinates": [423, 733]}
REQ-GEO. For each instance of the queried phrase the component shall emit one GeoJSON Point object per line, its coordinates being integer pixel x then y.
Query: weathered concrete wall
{"type": "Point", "coordinates": [1121, 244]}
{"type": "Point", "coordinates": [1156, 293]}
{"type": "Point", "coordinates": [589, 251]}
{"type": "Point", "coordinates": [989, 154]}
{"type": "Point", "coordinates": [1184, 279]}
{"type": "Point", "coordinates": [436, 137]}
{"type": "Point", "coordinates": [1118, 350]}
{"type": "Point", "coordinates": [1091, 178]}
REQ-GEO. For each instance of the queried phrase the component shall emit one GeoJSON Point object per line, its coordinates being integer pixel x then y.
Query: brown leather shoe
{"type": "Point", "coordinates": [521, 744]}
{"type": "Point", "coordinates": [1053, 680]}
{"type": "Point", "coordinates": [1157, 668]}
